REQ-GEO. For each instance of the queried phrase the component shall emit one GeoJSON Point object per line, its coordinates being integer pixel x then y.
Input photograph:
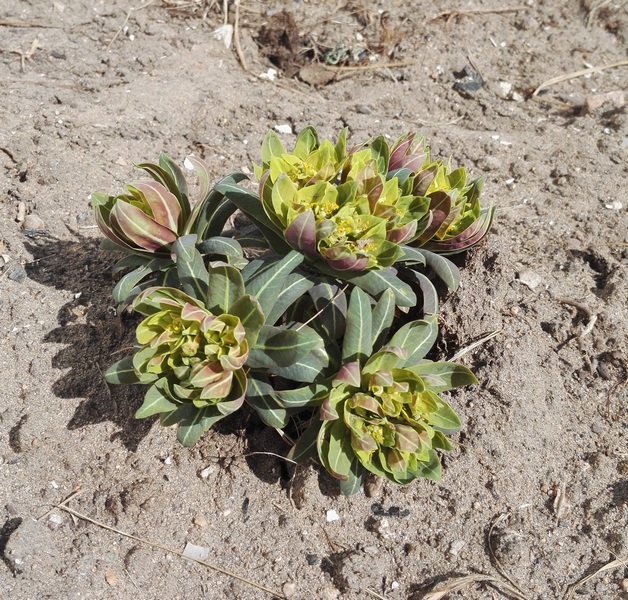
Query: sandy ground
{"type": "Point", "coordinates": [536, 494]}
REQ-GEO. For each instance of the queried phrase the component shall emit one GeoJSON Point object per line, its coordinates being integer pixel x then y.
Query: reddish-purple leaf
{"type": "Point", "coordinates": [328, 412]}
{"type": "Point", "coordinates": [140, 228]}
{"type": "Point", "coordinates": [163, 204]}
{"type": "Point", "coordinates": [349, 374]}
{"type": "Point", "coordinates": [301, 234]}
{"type": "Point", "coordinates": [406, 438]}
{"type": "Point", "coordinates": [440, 206]}
{"type": "Point", "coordinates": [110, 233]}
{"type": "Point", "coordinates": [402, 234]}
{"type": "Point", "coordinates": [423, 180]}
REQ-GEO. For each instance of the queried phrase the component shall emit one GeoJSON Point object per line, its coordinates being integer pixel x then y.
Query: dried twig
{"type": "Point", "coordinates": [126, 20]}
{"type": "Point", "coordinates": [19, 23]}
{"type": "Point", "coordinates": [24, 56]}
{"type": "Point", "coordinates": [460, 583]}
{"type": "Point", "coordinates": [498, 564]}
{"type": "Point", "coordinates": [580, 73]}
{"type": "Point", "coordinates": [614, 564]}
{"type": "Point", "coordinates": [170, 550]}
{"type": "Point", "coordinates": [450, 15]}
{"type": "Point", "coordinates": [474, 345]}
{"type": "Point", "coordinates": [236, 37]}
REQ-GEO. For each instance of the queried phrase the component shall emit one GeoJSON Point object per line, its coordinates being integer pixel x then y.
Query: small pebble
{"type": "Point", "coordinates": [312, 559]}
{"type": "Point", "coordinates": [17, 274]}
{"type": "Point", "coordinates": [285, 128]}
{"type": "Point", "coordinates": [33, 221]}
{"type": "Point", "coordinates": [624, 584]}
{"type": "Point", "coordinates": [597, 428]}
{"type": "Point", "coordinates": [200, 521]}
{"type": "Point", "coordinates": [54, 520]}
{"type": "Point", "coordinates": [331, 593]}
{"type": "Point", "coordinates": [332, 515]}
{"type": "Point", "coordinates": [289, 589]}
{"type": "Point", "coordinates": [530, 279]}
{"type": "Point", "coordinates": [363, 109]}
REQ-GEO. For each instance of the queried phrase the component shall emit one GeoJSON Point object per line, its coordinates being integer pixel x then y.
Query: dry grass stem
{"type": "Point", "coordinates": [580, 73]}
{"type": "Point", "coordinates": [498, 564]}
{"type": "Point", "coordinates": [236, 36]}
{"type": "Point", "coordinates": [614, 564]}
{"type": "Point", "coordinates": [474, 345]}
{"type": "Point", "coordinates": [19, 23]}
{"type": "Point", "coordinates": [450, 15]}
{"type": "Point", "coordinates": [370, 592]}
{"type": "Point", "coordinates": [460, 583]}
{"type": "Point", "coordinates": [211, 566]}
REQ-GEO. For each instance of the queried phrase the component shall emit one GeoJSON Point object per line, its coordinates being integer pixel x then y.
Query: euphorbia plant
{"type": "Point", "coordinates": [362, 215]}
{"type": "Point", "coordinates": [381, 413]}
{"type": "Point", "coordinates": [323, 319]}
{"type": "Point", "coordinates": [145, 222]}
{"type": "Point", "coordinates": [199, 346]}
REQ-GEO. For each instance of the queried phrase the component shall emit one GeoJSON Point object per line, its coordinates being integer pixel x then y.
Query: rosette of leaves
{"type": "Point", "coordinates": [147, 220]}
{"type": "Point", "coordinates": [361, 215]}
{"type": "Point", "coordinates": [382, 412]}
{"type": "Point", "coordinates": [208, 346]}
{"type": "Point", "coordinates": [455, 219]}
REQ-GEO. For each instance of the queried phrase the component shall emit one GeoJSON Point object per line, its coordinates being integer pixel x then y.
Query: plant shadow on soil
{"type": "Point", "coordinates": [94, 337]}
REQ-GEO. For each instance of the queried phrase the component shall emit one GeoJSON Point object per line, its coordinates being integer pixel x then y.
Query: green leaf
{"type": "Point", "coordinates": [443, 267]}
{"type": "Point", "coordinates": [277, 347]}
{"type": "Point", "coordinates": [331, 305]}
{"type": "Point", "coordinates": [166, 163]}
{"type": "Point", "coordinates": [305, 447]}
{"type": "Point", "coordinates": [191, 429]}
{"type": "Point", "coordinates": [355, 477]}
{"type": "Point", "coordinates": [431, 469]}
{"type": "Point", "coordinates": [444, 418]}
{"type": "Point", "coordinates": [430, 295]}
{"type": "Point", "coordinates": [307, 369]}
{"type": "Point", "coordinates": [358, 341]}
{"type": "Point", "coordinates": [443, 376]}
{"type": "Point", "coordinates": [250, 204]}
{"type": "Point", "coordinates": [191, 268]}
{"type": "Point", "coordinates": [304, 396]}
{"type": "Point", "coordinates": [270, 279]}
{"type": "Point", "coordinates": [306, 142]}
{"type": "Point", "coordinates": [224, 289]}
{"type": "Point", "coordinates": [132, 261]}
{"type": "Point", "coordinates": [383, 315]}
{"type": "Point", "coordinates": [340, 455]}
{"type": "Point", "coordinates": [271, 146]}
{"type": "Point", "coordinates": [376, 282]}
{"type": "Point", "coordinates": [293, 288]}
{"type": "Point", "coordinates": [122, 372]}
{"type": "Point", "coordinates": [127, 282]}
{"type": "Point", "coordinates": [221, 245]}
{"type": "Point", "coordinates": [261, 396]}
{"type": "Point", "coordinates": [248, 310]}
{"type": "Point", "coordinates": [211, 213]}
{"type": "Point", "coordinates": [416, 337]}
{"type": "Point", "coordinates": [156, 400]}
{"type": "Point", "coordinates": [412, 256]}
{"type": "Point", "coordinates": [202, 172]}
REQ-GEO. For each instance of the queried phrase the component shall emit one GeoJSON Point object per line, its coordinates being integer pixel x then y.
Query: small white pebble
{"type": "Point", "coordinates": [54, 485]}
{"type": "Point", "coordinates": [285, 128]}
{"type": "Point", "coordinates": [332, 515]}
{"type": "Point", "coordinates": [615, 205]}
{"type": "Point", "coordinates": [394, 585]}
